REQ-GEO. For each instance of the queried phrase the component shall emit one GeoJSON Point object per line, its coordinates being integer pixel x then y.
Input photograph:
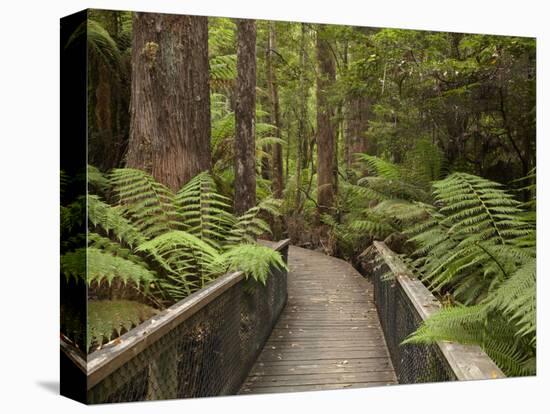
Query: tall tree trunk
{"type": "Point", "coordinates": [277, 149]}
{"type": "Point", "coordinates": [326, 76]}
{"type": "Point", "coordinates": [301, 145]}
{"type": "Point", "coordinates": [357, 118]}
{"type": "Point", "coordinates": [170, 102]}
{"type": "Point", "coordinates": [245, 115]}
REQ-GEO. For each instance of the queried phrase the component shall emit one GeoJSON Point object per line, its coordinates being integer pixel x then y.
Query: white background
{"type": "Point", "coordinates": [29, 216]}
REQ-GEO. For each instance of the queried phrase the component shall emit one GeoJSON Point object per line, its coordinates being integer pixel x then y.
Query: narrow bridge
{"type": "Point", "coordinates": [328, 336]}
{"type": "Point", "coordinates": [319, 326]}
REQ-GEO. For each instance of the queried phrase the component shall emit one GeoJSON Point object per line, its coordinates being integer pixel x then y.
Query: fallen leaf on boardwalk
{"type": "Point", "coordinates": [354, 328]}
{"type": "Point", "coordinates": [273, 347]}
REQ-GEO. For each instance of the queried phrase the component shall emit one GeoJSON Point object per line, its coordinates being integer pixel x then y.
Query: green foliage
{"type": "Point", "coordinates": [148, 204]}
{"type": "Point", "coordinates": [97, 182]}
{"type": "Point", "coordinates": [204, 212]}
{"type": "Point", "coordinates": [185, 237]}
{"type": "Point", "coordinates": [475, 226]}
{"type": "Point", "coordinates": [380, 204]}
{"type": "Point", "coordinates": [101, 45]}
{"type": "Point", "coordinates": [249, 226]}
{"type": "Point", "coordinates": [97, 267]}
{"type": "Point", "coordinates": [112, 222]}
{"type": "Point", "coordinates": [110, 318]}
{"type": "Point", "coordinates": [477, 244]}
{"type": "Point", "coordinates": [479, 325]}
{"type": "Point", "coordinates": [186, 260]}
{"type": "Point", "coordinates": [381, 168]}
{"type": "Point", "coordinates": [254, 260]}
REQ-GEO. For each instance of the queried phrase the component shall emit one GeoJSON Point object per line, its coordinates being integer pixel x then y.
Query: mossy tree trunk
{"type": "Point", "coordinates": [277, 149]}
{"type": "Point", "coordinates": [170, 102]}
{"type": "Point", "coordinates": [245, 117]}
{"type": "Point", "coordinates": [326, 131]}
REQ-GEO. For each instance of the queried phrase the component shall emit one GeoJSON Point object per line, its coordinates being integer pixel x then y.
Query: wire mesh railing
{"type": "Point", "coordinates": [403, 302]}
{"type": "Point", "coordinates": [202, 346]}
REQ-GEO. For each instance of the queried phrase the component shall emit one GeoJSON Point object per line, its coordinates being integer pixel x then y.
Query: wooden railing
{"type": "Point", "coordinates": [403, 303]}
{"type": "Point", "coordinates": [203, 345]}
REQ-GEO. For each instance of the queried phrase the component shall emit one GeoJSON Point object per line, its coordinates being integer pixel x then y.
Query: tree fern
{"type": "Point", "coordinates": [478, 208]}
{"type": "Point", "coordinates": [477, 325]}
{"type": "Point", "coordinates": [182, 254]}
{"type": "Point", "coordinates": [250, 225]}
{"type": "Point", "coordinates": [103, 49]}
{"type": "Point", "coordinates": [456, 241]}
{"type": "Point", "coordinates": [96, 266]}
{"type": "Point", "coordinates": [516, 298]}
{"type": "Point", "coordinates": [112, 222]}
{"type": "Point", "coordinates": [380, 168]}
{"type": "Point", "coordinates": [477, 243]}
{"type": "Point", "coordinates": [110, 318]}
{"type": "Point", "coordinates": [254, 260]}
{"type": "Point", "coordinates": [204, 212]}
{"type": "Point", "coordinates": [147, 203]}
{"type": "Point", "coordinates": [97, 182]}
{"type": "Point", "coordinates": [157, 245]}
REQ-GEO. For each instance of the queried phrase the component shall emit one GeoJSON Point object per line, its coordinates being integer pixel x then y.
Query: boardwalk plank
{"type": "Point", "coordinates": [328, 336]}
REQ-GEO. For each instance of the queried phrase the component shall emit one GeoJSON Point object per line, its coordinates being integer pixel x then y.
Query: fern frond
{"type": "Point", "coordinates": [379, 167]}
{"type": "Point", "coordinates": [116, 249]}
{"type": "Point", "coordinates": [254, 260]}
{"type": "Point", "coordinates": [478, 207]}
{"type": "Point", "coordinates": [110, 318]}
{"type": "Point", "coordinates": [97, 182]}
{"type": "Point", "coordinates": [383, 188]}
{"type": "Point", "coordinates": [102, 48]}
{"type": "Point", "coordinates": [203, 211]}
{"type": "Point", "coordinates": [516, 297]}
{"type": "Point", "coordinates": [186, 260]}
{"type": "Point", "coordinates": [113, 222]}
{"type": "Point", "coordinates": [97, 267]}
{"type": "Point", "coordinates": [249, 226]}
{"type": "Point", "coordinates": [148, 204]}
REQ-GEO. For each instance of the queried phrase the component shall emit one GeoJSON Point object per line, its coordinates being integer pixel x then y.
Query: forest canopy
{"type": "Point", "coordinates": [334, 136]}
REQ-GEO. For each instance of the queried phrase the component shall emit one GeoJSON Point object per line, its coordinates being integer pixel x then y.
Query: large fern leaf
{"type": "Point", "coordinates": [111, 220]}
{"type": "Point", "coordinates": [254, 260]}
{"type": "Point", "coordinates": [110, 318]}
{"type": "Point", "coordinates": [203, 211]}
{"type": "Point", "coordinates": [97, 266]}
{"type": "Point", "coordinates": [147, 203]}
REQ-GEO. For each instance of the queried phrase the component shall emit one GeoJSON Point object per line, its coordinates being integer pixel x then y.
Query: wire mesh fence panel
{"type": "Point", "coordinates": [209, 353]}
{"type": "Point", "coordinates": [399, 318]}
{"type": "Point", "coordinates": [403, 303]}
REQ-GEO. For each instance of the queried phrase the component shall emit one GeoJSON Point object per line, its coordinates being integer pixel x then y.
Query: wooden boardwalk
{"type": "Point", "coordinates": [329, 334]}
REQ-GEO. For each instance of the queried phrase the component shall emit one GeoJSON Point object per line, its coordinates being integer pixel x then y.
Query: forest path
{"type": "Point", "coordinates": [328, 336]}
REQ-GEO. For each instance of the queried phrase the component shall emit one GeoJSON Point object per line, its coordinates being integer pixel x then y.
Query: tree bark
{"type": "Point", "coordinates": [326, 76]}
{"type": "Point", "coordinates": [170, 102]}
{"type": "Point", "coordinates": [301, 145]}
{"type": "Point", "coordinates": [245, 115]}
{"type": "Point", "coordinates": [357, 118]}
{"type": "Point", "coordinates": [277, 149]}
